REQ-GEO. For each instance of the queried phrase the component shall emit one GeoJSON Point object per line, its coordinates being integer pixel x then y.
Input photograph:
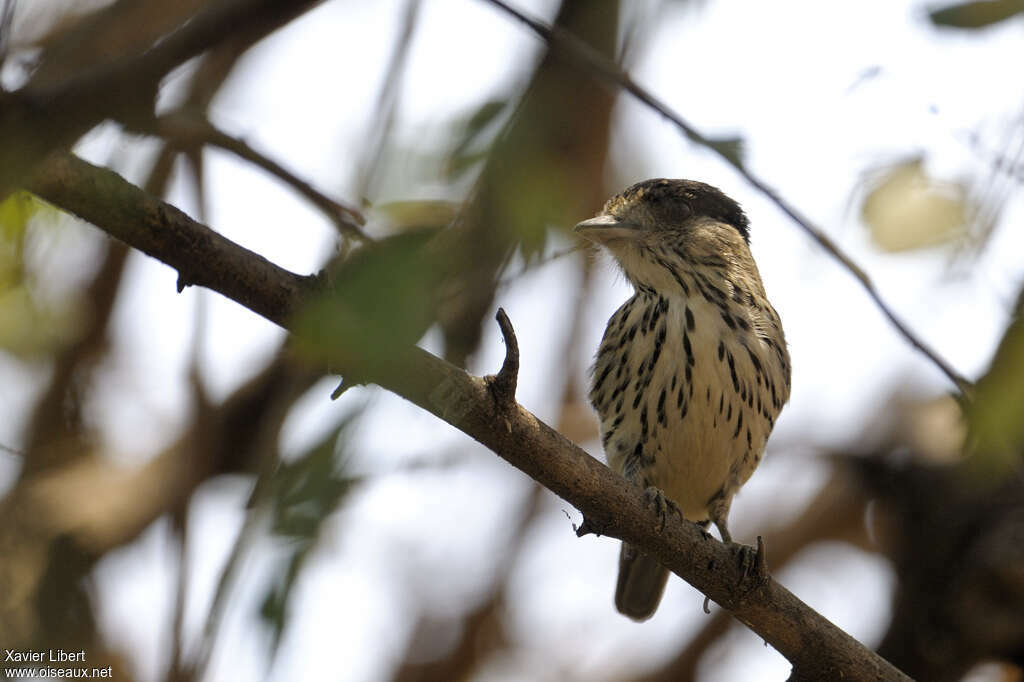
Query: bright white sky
{"type": "Point", "coordinates": [785, 76]}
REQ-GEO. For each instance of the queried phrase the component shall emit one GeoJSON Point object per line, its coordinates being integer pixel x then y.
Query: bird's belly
{"type": "Point", "coordinates": [680, 413]}
{"type": "Point", "coordinates": [690, 458]}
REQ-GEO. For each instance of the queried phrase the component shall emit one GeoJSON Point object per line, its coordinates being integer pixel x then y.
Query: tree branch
{"type": "Point", "coordinates": [588, 59]}
{"type": "Point", "coordinates": [816, 648]}
{"type": "Point", "coordinates": [184, 128]}
{"type": "Point", "coordinates": [200, 255]}
{"type": "Point", "coordinates": [42, 117]}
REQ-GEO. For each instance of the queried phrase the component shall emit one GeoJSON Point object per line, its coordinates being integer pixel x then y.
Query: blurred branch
{"type": "Point", "coordinates": [185, 129]}
{"type": "Point", "coordinates": [46, 116]}
{"type": "Point", "coordinates": [387, 100]}
{"type": "Point", "coordinates": [816, 648]}
{"type": "Point", "coordinates": [6, 20]}
{"type": "Point", "coordinates": [545, 151]}
{"type": "Point", "coordinates": [126, 212]}
{"type": "Point", "coordinates": [54, 437]}
{"type": "Point", "coordinates": [955, 542]}
{"type": "Point", "coordinates": [509, 279]}
{"type": "Point", "coordinates": [593, 62]}
{"type": "Point", "coordinates": [482, 629]}
{"type": "Point", "coordinates": [11, 451]}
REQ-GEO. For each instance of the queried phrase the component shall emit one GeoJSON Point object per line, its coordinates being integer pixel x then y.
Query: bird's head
{"type": "Point", "coordinates": [668, 224]}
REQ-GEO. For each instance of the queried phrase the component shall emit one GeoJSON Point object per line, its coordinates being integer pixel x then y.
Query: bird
{"type": "Point", "coordinates": [692, 370]}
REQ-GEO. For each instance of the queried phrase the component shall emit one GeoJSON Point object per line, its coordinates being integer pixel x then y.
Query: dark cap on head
{"type": "Point", "coordinates": [665, 195]}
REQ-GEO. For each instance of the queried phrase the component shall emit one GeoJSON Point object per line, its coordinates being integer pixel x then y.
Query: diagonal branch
{"type": "Point", "coordinates": [185, 128]}
{"type": "Point", "coordinates": [41, 118]}
{"type": "Point", "coordinates": [816, 647]}
{"type": "Point", "coordinates": [611, 73]}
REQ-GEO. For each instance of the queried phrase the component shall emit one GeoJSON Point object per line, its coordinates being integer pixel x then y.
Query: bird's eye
{"type": "Point", "coordinates": [676, 213]}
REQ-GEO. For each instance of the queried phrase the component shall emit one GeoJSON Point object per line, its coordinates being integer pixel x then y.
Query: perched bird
{"type": "Point", "coordinates": [692, 370]}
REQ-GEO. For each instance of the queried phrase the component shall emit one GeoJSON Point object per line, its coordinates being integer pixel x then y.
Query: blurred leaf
{"type": "Point", "coordinates": [974, 15]}
{"type": "Point", "coordinates": [468, 150]}
{"type": "Point", "coordinates": [732, 148]}
{"type": "Point", "coordinates": [404, 216]}
{"type": "Point", "coordinates": [484, 115]}
{"type": "Point", "coordinates": [308, 490]}
{"type": "Point", "coordinates": [274, 608]}
{"type": "Point", "coordinates": [29, 329]}
{"type": "Point", "coordinates": [996, 416]}
{"type": "Point", "coordinates": [458, 165]}
{"type": "Point", "coordinates": [906, 209]}
{"type": "Point", "coordinates": [868, 74]}
{"type": "Point", "coordinates": [15, 212]}
{"type": "Point", "coordinates": [304, 493]}
{"type": "Point", "coordinates": [537, 203]}
{"type": "Point", "coordinates": [380, 301]}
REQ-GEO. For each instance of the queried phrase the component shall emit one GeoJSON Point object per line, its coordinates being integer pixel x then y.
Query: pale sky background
{"type": "Point", "coordinates": [787, 77]}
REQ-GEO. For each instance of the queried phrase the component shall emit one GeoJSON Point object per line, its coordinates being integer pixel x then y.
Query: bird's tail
{"type": "Point", "coordinates": [641, 583]}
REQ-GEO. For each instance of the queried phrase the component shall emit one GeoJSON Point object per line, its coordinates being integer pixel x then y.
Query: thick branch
{"type": "Point", "coordinates": [816, 647]}
{"type": "Point", "coordinates": [200, 255]}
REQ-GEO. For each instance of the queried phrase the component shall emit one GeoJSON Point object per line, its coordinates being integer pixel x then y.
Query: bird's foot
{"type": "Point", "coordinates": [662, 505]}
{"type": "Point", "coordinates": [703, 526]}
{"type": "Point", "coordinates": [753, 564]}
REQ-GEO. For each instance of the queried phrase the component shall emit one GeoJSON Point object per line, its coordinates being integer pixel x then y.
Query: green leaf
{"type": "Point", "coordinates": [468, 149]}
{"type": "Point", "coordinates": [380, 301]}
{"type": "Point", "coordinates": [304, 493]}
{"type": "Point", "coordinates": [996, 415]}
{"type": "Point", "coordinates": [907, 209]}
{"type": "Point", "coordinates": [732, 148]}
{"type": "Point", "coordinates": [405, 216]}
{"type": "Point", "coordinates": [31, 329]}
{"type": "Point", "coordinates": [274, 607]}
{"type": "Point", "coordinates": [15, 213]}
{"type": "Point", "coordinates": [975, 15]}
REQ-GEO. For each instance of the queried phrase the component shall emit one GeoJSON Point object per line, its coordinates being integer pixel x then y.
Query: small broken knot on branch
{"type": "Point", "coordinates": [587, 528]}
{"type": "Point", "coordinates": [339, 389]}
{"type": "Point", "coordinates": [503, 384]}
{"type": "Point", "coordinates": [182, 282]}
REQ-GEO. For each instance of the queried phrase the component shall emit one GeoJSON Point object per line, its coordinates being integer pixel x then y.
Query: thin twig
{"type": "Point", "coordinates": [571, 47]}
{"type": "Point", "coordinates": [387, 100]}
{"type": "Point", "coordinates": [8, 449]}
{"type": "Point", "coordinates": [6, 22]}
{"type": "Point", "coordinates": [539, 262]}
{"type": "Point", "coordinates": [196, 129]}
{"type": "Point", "coordinates": [176, 669]}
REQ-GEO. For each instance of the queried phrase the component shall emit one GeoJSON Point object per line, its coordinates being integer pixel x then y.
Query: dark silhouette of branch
{"type": "Point", "coordinates": [50, 114]}
{"type": "Point", "coordinates": [568, 46]}
{"type": "Point", "coordinates": [816, 648]}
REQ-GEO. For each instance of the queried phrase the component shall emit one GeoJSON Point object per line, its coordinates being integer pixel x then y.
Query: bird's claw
{"type": "Point", "coordinates": [656, 499]}
{"type": "Point", "coordinates": [753, 564]}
